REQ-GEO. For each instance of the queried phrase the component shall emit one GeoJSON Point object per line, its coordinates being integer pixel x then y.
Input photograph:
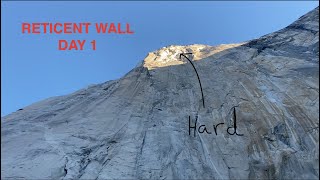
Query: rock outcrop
{"type": "Point", "coordinates": [137, 127]}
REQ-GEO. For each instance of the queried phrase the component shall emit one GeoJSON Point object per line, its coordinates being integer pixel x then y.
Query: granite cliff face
{"type": "Point", "coordinates": [138, 126]}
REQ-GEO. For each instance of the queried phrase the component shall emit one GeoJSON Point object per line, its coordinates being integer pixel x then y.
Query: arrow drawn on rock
{"type": "Point", "coordinates": [184, 55]}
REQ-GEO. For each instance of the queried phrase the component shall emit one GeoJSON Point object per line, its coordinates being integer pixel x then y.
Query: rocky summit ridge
{"type": "Point", "coordinates": [168, 56]}
{"type": "Point", "coordinates": [138, 127]}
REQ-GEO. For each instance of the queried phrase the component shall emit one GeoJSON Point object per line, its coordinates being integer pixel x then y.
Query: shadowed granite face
{"type": "Point", "coordinates": [137, 126]}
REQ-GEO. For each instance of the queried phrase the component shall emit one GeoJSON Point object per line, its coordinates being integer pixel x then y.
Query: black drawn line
{"type": "Point", "coordinates": [184, 55]}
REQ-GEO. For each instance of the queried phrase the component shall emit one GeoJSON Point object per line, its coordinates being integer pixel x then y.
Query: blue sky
{"type": "Point", "coordinates": [32, 68]}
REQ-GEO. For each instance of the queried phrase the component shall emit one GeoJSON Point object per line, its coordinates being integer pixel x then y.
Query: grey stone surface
{"type": "Point", "coordinates": [137, 127]}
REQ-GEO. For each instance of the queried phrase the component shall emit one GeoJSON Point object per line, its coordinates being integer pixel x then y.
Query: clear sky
{"type": "Point", "coordinates": [32, 67]}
